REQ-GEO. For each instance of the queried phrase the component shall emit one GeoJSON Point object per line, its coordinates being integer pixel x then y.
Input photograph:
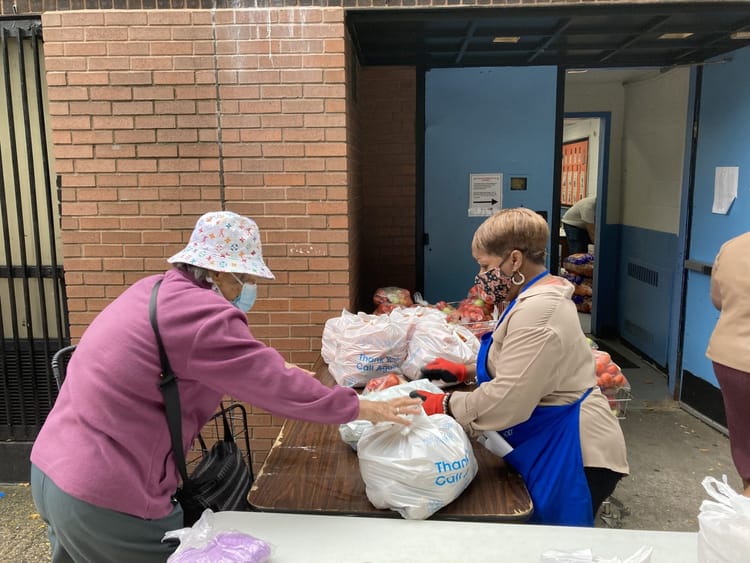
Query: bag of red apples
{"type": "Point", "coordinates": [612, 382]}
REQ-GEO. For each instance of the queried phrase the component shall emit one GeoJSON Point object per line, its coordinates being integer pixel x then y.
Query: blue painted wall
{"type": "Point", "coordinates": [723, 140]}
{"type": "Point", "coordinates": [646, 266]}
{"type": "Point", "coordinates": [481, 120]}
{"type": "Point", "coordinates": [700, 319]}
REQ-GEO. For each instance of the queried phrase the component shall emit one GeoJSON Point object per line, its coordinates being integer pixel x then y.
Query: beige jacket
{"type": "Point", "coordinates": [730, 293]}
{"type": "Point", "coordinates": [540, 356]}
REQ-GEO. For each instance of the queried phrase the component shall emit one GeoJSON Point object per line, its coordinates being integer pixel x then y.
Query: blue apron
{"type": "Point", "coordinates": [547, 453]}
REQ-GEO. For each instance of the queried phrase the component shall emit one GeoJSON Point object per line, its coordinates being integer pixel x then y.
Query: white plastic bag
{"type": "Point", "coordinates": [203, 543]}
{"type": "Point", "coordinates": [723, 524]}
{"type": "Point", "coordinates": [416, 470]}
{"type": "Point", "coordinates": [643, 555]}
{"type": "Point", "coordinates": [352, 431]}
{"type": "Point", "coordinates": [360, 347]}
{"type": "Point", "coordinates": [434, 337]}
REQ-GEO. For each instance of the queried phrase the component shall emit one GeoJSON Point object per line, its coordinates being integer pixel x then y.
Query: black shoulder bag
{"type": "Point", "coordinates": [222, 479]}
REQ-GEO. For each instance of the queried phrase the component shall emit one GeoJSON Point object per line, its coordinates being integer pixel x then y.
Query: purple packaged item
{"type": "Point", "coordinates": [205, 542]}
{"type": "Point", "coordinates": [227, 547]}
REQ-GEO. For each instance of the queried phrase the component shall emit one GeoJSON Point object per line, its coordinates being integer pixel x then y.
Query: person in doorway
{"type": "Point", "coordinates": [578, 223]}
{"type": "Point", "coordinates": [729, 345]}
{"type": "Point", "coordinates": [103, 475]}
{"type": "Point", "coordinates": [536, 402]}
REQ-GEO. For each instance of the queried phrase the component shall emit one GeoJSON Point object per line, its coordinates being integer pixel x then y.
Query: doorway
{"type": "Point", "coordinates": [585, 155]}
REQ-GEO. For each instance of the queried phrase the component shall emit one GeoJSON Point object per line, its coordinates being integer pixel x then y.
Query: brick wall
{"type": "Point", "coordinates": [10, 7]}
{"type": "Point", "coordinates": [387, 98]}
{"type": "Point", "coordinates": [357, 232]}
{"type": "Point", "coordinates": [160, 116]}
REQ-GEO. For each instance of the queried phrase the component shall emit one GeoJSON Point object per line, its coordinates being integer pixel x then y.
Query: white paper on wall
{"type": "Point", "coordinates": [725, 188]}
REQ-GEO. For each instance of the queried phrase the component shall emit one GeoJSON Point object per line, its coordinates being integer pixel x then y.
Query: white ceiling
{"type": "Point", "coordinates": [617, 75]}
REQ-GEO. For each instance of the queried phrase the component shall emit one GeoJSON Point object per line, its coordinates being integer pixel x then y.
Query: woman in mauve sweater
{"type": "Point", "coordinates": [103, 474]}
{"type": "Point", "coordinates": [729, 347]}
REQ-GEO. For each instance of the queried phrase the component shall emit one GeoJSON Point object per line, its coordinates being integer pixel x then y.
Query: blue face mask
{"type": "Point", "coordinates": [246, 299]}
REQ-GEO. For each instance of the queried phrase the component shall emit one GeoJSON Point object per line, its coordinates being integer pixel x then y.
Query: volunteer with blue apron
{"type": "Point", "coordinates": [536, 403]}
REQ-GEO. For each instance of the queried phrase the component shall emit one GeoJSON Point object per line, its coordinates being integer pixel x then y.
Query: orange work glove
{"type": "Point", "coordinates": [432, 403]}
{"type": "Point", "coordinates": [447, 371]}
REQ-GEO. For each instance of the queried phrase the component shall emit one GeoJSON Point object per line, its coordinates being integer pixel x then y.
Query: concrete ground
{"type": "Point", "coordinates": [669, 451]}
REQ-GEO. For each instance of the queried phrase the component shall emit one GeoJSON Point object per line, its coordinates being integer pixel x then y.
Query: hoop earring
{"type": "Point", "coordinates": [513, 278]}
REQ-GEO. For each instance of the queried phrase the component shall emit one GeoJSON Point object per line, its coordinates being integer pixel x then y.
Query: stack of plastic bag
{"type": "Point", "coordinates": [418, 469]}
{"type": "Point", "coordinates": [352, 431]}
{"type": "Point", "coordinates": [360, 347]}
{"type": "Point", "coordinates": [432, 338]}
{"type": "Point", "coordinates": [723, 524]}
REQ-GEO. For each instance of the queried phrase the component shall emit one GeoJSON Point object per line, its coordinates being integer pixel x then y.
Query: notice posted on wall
{"type": "Point", "coordinates": [485, 194]}
{"type": "Point", "coordinates": [725, 188]}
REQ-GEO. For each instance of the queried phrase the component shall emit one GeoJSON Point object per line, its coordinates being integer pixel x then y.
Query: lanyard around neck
{"type": "Point", "coordinates": [510, 305]}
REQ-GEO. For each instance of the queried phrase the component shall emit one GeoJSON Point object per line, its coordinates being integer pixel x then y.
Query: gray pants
{"type": "Point", "coordinates": [81, 532]}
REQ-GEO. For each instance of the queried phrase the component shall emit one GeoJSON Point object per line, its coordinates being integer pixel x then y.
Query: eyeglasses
{"type": "Point", "coordinates": [244, 278]}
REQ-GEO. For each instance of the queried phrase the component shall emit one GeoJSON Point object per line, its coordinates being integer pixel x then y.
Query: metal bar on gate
{"type": "Point", "coordinates": [3, 351]}
{"type": "Point", "coordinates": [35, 233]}
{"type": "Point", "coordinates": [8, 249]}
{"type": "Point", "coordinates": [57, 275]}
{"type": "Point", "coordinates": [20, 220]}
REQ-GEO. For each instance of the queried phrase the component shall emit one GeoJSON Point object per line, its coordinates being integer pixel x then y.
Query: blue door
{"type": "Point", "coordinates": [723, 141]}
{"type": "Point", "coordinates": [481, 121]}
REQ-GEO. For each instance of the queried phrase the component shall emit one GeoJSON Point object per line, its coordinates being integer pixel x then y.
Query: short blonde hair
{"type": "Point", "coordinates": [517, 228]}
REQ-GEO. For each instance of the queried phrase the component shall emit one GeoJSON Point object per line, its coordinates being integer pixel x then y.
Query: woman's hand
{"type": "Point", "coordinates": [389, 411]}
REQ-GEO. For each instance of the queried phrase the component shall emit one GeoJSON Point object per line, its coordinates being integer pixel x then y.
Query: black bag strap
{"type": "Point", "coordinates": [168, 387]}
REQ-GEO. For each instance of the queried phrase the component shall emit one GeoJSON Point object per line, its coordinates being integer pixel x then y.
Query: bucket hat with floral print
{"type": "Point", "coordinates": [223, 241]}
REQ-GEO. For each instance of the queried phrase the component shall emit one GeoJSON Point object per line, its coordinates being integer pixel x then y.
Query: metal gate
{"type": "Point", "coordinates": [33, 314]}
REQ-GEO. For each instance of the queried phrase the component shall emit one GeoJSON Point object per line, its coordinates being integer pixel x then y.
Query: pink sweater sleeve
{"type": "Point", "coordinates": [221, 353]}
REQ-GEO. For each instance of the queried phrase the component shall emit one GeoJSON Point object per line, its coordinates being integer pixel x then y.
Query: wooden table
{"type": "Point", "coordinates": [311, 470]}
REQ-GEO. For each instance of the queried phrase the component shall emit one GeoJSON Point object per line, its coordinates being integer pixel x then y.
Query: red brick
{"type": "Point", "coordinates": [83, 166]}
{"type": "Point", "coordinates": [74, 151]}
{"type": "Point", "coordinates": [302, 106]}
{"type": "Point", "coordinates": [98, 223]}
{"type": "Point", "coordinates": [136, 165]}
{"type": "Point", "coordinates": [304, 164]}
{"type": "Point", "coordinates": [127, 18]}
{"type": "Point", "coordinates": [283, 149]}
{"type": "Point", "coordinates": [153, 93]}
{"type": "Point", "coordinates": [136, 78]}
{"type": "Point", "coordinates": [195, 93]}
{"type": "Point", "coordinates": [132, 108]}
{"type": "Point", "coordinates": [85, 49]}
{"type": "Point", "coordinates": [137, 136]}
{"type": "Point", "coordinates": [121, 237]}
{"type": "Point", "coordinates": [169, 18]}
{"type": "Point", "coordinates": [112, 122]}
{"type": "Point", "coordinates": [102, 250]}
{"type": "Point", "coordinates": [325, 149]}
{"type": "Point", "coordinates": [192, 33]}
{"type": "Point", "coordinates": [172, 77]}
{"type": "Point", "coordinates": [155, 122]}
{"type": "Point", "coordinates": [327, 179]}
{"type": "Point", "coordinates": [151, 63]}
{"type": "Point", "coordinates": [82, 19]}
{"type": "Point", "coordinates": [84, 264]}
